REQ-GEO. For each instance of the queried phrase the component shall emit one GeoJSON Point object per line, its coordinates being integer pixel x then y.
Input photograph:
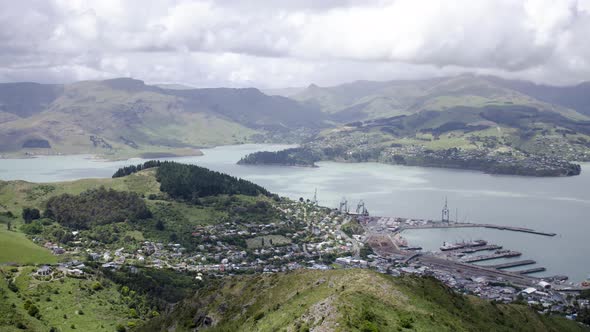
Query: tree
{"type": "Point", "coordinates": [96, 207]}
{"type": "Point", "coordinates": [173, 237]}
{"type": "Point", "coordinates": [33, 310]}
{"type": "Point", "coordinates": [160, 225]}
{"type": "Point", "coordinates": [132, 313]}
{"type": "Point", "coordinates": [30, 214]}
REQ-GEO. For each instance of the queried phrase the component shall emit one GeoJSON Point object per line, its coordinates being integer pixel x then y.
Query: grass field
{"type": "Point", "coordinates": [16, 248]}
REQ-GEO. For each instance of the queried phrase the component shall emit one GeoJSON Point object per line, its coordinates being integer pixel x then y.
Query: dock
{"type": "Point", "coordinates": [476, 249]}
{"type": "Point", "coordinates": [491, 256]}
{"type": "Point", "coordinates": [438, 224]}
{"type": "Point", "coordinates": [511, 264]}
{"type": "Point", "coordinates": [413, 248]}
{"type": "Point", "coordinates": [533, 270]}
{"type": "Point", "coordinates": [518, 229]}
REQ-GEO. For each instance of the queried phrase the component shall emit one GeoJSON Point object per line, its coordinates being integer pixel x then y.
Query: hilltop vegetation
{"type": "Point", "coordinates": [287, 157]}
{"type": "Point", "coordinates": [346, 300]}
{"type": "Point", "coordinates": [189, 182]}
{"type": "Point", "coordinates": [96, 207]}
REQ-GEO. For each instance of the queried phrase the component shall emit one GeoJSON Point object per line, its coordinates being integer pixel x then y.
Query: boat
{"type": "Point", "coordinates": [460, 245]}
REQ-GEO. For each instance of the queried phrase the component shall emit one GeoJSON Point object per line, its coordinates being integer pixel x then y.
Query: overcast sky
{"type": "Point", "coordinates": [292, 42]}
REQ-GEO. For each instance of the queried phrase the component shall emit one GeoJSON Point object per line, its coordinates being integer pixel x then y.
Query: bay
{"type": "Point", "coordinates": [560, 205]}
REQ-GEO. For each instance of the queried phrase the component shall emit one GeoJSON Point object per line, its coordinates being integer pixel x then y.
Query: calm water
{"type": "Point", "coordinates": [560, 205]}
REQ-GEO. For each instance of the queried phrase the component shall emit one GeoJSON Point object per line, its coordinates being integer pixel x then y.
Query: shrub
{"type": "Point", "coordinates": [33, 310]}
{"type": "Point", "coordinates": [133, 313]}
{"type": "Point", "coordinates": [30, 214]}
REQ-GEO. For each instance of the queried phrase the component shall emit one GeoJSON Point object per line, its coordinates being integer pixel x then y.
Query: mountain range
{"type": "Point", "coordinates": [126, 117]}
{"type": "Point", "coordinates": [362, 100]}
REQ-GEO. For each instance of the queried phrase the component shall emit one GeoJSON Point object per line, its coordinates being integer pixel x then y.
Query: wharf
{"type": "Point", "coordinates": [412, 248]}
{"type": "Point", "coordinates": [511, 264]}
{"type": "Point", "coordinates": [491, 256]}
{"type": "Point", "coordinates": [533, 270]}
{"type": "Point", "coordinates": [475, 249]}
{"type": "Point", "coordinates": [518, 229]}
{"type": "Point", "coordinates": [438, 224]}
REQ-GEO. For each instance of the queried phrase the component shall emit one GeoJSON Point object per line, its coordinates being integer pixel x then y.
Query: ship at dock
{"type": "Point", "coordinates": [461, 245]}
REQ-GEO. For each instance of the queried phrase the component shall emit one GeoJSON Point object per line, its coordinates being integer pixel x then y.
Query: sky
{"type": "Point", "coordinates": [292, 43]}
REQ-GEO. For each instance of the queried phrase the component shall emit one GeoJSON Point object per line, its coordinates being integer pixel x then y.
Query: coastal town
{"type": "Point", "coordinates": [324, 239]}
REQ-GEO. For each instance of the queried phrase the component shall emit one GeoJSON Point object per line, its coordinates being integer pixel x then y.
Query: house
{"type": "Point", "coordinates": [529, 290]}
{"type": "Point", "coordinates": [75, 272]}
{"type": "Point", "coordinates": [44, 271]}
{"type": "Point", "coordinates": [58, 250]}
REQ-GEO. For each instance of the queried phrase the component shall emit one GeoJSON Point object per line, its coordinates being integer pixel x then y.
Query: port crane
{"type": "Point", "coordinates": [361, 209]}
{"type": "Point", "coordinates": [445, 212]}
{"type": "Point", "coordinates": [343, 205]}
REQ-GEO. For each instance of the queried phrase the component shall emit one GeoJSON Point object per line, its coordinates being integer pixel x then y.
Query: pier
{"type": "Point", "coordinates": [491, 256]}
{"type": "Point", "coordinates": [533, 270]}
{"type": "Point", "coordinates": [476, 249]}
{"type": "Point", "coordinates": [438, 224]}
{"type": "Point", "coordinates": [511, 264]}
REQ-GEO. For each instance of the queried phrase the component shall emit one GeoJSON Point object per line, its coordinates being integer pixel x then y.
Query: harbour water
{"type": "Point", "coordinates": [559, 205]}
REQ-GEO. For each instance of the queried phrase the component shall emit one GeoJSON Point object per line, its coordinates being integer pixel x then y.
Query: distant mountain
{"type": "Point", "coordinates": [127, 117]}
{"type": "Point", "coordinates": [576, 97]}
{"type": "Point", "coordinates": [470, 122]}
{"type": "Point", "coordinates": [363, 100]}
{"type": "Point", "coordinates": [175, 86]}
{"type": "Point", "coordinates": [285, 92]}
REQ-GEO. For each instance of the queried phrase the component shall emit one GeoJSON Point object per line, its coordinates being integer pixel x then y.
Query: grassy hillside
{"type": "Point", "coordinates": [16, 248]}
{"type": "Point", "coordinates": [179, 218]}
{"type": "Point", "coordinates": [346, 300]}
{"type": "Point", "coordinates": [14, 195]}
{"type": "Point", "coordinates": [124, 117]}
{"type": "Point", "coordinates": [101, 299]}
{"type": "Point", "coordinates": [68, 304]}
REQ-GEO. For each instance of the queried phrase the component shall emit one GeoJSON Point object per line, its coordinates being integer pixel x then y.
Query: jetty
{"type": "Point", "coordinates": [476, 249]}
{"type": "Point", "coordinates": [498, 254]}
{"type": "Point", "coordinates": [511, 264]}
{"type": "Point", "coordinates": [533, 270]}
{"type": "Point", "coordinates": [439, 224]}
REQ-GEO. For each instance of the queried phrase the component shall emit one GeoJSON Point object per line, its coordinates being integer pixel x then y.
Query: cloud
{"type": "Point", "coordinates": [270, 43]}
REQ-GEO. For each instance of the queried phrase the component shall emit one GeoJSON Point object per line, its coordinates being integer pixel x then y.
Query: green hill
{"type": "Point", "coordinates": [346, 300]}
{"type": "Point", "coordinates": [125, 117]}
